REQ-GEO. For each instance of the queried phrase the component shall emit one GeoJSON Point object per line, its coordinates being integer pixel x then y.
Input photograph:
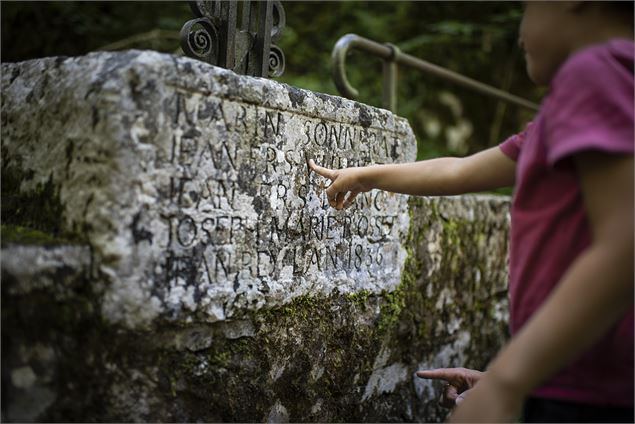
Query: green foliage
{"type": "Point", "coordinates": [477, 39]}
{"type": "Point", "coordinates": [39, 29]}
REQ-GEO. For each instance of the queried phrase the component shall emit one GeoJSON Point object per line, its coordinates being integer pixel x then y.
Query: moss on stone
{"type": "Point", "coordinates": [39, 208]}
{"type": "Point", "coordinates": [328, 347]}
{"type": "Point", "coordinates": [312, 348]}
{"type": "Point", "coordinates": [33, 216]}
{"type": "Point", "coordinates": [359, 298]}
{"type": "Point", "coordinates": [314, 356]}
{"type": "Point", "coordinates": [15, 234]}
{"type": "Point", "coordinates": [71, 331]}
{"type": "Point", "coordinates": [397, 300]}
{"type": "Point", "coordinates": [451, 232]}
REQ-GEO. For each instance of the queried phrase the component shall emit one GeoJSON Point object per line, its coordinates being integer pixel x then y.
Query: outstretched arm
{"type": "Point", "coordinates": [592, 296]}
{"type": "Point", "coordinates": [485, 170]}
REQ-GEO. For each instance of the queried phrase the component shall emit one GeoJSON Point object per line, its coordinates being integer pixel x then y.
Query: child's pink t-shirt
{"type": "Point", "coordinates": [589, 108]}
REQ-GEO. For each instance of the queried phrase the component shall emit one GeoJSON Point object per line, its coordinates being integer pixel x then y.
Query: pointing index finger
{"type": "Point", "coordinates": [325, 172]}
{"type": "Point", "coordinates": [437, 374]}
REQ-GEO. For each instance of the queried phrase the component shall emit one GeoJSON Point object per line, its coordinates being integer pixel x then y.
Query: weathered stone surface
{"type": "Point", "coordinates": [191, 182]}
{"type": "Point", "coordinates": [137, 157]}
{"type": "Point", "coordinates": [320, 358]}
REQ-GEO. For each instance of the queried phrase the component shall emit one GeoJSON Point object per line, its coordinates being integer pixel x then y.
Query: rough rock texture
{"type": "Point", "coordinates": [206, 278]}
{"type": "Point", "coordinates": [192, 186]}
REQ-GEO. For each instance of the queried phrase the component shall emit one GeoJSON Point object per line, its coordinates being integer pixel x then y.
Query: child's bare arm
{"type": "Point", "coordinates": [485, 170]}
{"type": "Point", "coordinates": [593, 295]}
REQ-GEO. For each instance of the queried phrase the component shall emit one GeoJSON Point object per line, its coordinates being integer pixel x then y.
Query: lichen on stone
{"type": "Point", "coordinates": [190, 268]}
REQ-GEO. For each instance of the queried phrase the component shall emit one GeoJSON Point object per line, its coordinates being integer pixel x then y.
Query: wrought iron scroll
{"type": "Point", "coordinates": [213, 36]}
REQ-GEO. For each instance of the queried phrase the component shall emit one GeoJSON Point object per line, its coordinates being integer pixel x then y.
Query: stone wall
{"type": "Point", "coordinates": [182, 264]}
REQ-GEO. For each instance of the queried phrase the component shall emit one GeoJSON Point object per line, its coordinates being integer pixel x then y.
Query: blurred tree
{"type": "Point", "coordinates": [477, 39]}
{"type": "Point", "coordinates": [38, 29]}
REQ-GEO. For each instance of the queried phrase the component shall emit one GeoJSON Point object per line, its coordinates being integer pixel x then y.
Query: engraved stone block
{"type": "Point", "coordinates": [191, 183]}
{"type": "Point", "coordinates": [188, 267]}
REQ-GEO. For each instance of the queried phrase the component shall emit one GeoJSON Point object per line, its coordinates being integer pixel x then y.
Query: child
{"type": "Point", "coordinates": [571, 261]}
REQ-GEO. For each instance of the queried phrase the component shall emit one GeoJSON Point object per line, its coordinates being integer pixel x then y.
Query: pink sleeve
{"type": "Point", "coordinates": [513, 145]}
{"type": "Point", "coordinates": [590, 108]}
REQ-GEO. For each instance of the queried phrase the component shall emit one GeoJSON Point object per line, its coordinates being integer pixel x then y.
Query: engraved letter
{"type": "Point", "coordinates": [186, 231]}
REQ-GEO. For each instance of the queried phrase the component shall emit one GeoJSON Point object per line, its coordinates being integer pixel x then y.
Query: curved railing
{"type": "Point", "coordinates": [392, 57]}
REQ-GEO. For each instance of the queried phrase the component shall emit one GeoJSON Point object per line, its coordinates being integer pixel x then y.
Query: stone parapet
{"type": "Point", "coordinates": [192, 269]}
{"type": "Point", "coordinates": [191, 184]}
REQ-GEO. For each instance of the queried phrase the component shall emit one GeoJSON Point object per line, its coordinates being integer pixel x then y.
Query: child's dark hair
{"type": "Point", "coordinates": [620, 6]}
{"type": "Point", "coordinates": [620, 10]}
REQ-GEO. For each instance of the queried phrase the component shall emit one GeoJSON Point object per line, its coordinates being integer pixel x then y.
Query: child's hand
{"type": "Point", "coordinates": [486, 401]}
{"type": "Point", "coordinates": [458, 382]}
{"type": "Point", "coordinates": [489, 402]}
{"type": "Point", "coordinates": [343, 182]}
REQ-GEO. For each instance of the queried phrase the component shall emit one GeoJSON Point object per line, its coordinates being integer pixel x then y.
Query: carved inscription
{"type": "Point", "coordinates": [242, 206]}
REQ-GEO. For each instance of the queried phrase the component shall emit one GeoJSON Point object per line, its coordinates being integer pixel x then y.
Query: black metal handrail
{"type": "Point", "coordinates": [391, 57]}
